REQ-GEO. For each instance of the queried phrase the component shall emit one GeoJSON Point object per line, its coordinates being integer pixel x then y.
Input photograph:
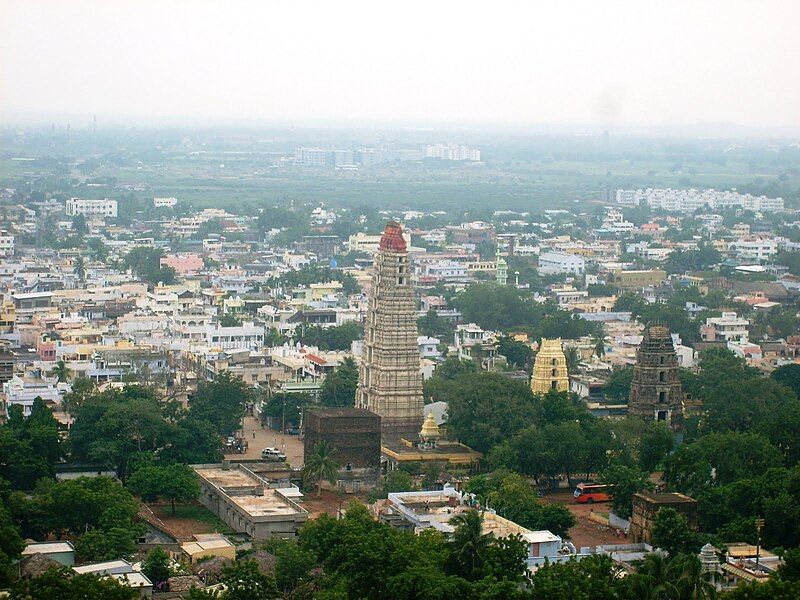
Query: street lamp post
{"type": "Point", "coordinates": [759, 527]}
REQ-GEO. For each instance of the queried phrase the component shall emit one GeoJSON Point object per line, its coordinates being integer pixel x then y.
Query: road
{"type": "Point", "coordinates": [264, 437]}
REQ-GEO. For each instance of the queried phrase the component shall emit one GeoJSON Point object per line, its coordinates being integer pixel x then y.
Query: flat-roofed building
{"type": "Point", "coordinates": [62, 552]}
{"type": "Point", "coordinates": [207, 545]}
{"type": "Point", "coordinates": [91, 208]}
{"type": "Point", "coordinates": [248, 503]}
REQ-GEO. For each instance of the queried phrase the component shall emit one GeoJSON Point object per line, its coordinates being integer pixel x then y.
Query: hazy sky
{"type": "Point", "coordinates": [598, 62]}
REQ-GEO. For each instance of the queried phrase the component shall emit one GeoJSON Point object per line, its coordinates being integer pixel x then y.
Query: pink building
{"type": "Point", "coordinates": [184, 264]}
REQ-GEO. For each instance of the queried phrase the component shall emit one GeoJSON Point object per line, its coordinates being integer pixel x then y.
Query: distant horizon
{"type": "Point", "coordinates": [110, 122]}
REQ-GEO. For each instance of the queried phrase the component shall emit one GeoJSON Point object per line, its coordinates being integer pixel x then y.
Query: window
{"type": "Point", "coordinates": [662, 415]}
{"type": "Point", "coordinates": [553, 384]}
{"type": "Point", "coordinates": [553, 362]}
{"type": "Point", "coordinates": [662, 397]}
{"type": "Point", "coordinates": [554, 373]}
{"type": "Point", "coordinates": [661, 360]}
{"type": "Point", "coordinates": [662, 376]}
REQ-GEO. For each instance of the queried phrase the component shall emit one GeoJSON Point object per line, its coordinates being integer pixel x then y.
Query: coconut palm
{"type": "Point", "coordinates": [599, 346]}
{"type": "Point", "coordinates": [61, 370]}
{"type": "Point", "coordinates": [686, 572]}
{"type": "Point", "coordinates": [321, 466]}
{"type": "Point", "coordinates": [573, 358]}
{"type": "Point", "coordinates": [469, 543]}
{"type": "Point", "coordinates": [79, 268]}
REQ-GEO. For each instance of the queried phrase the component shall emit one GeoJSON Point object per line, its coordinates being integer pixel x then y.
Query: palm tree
{"type": "Point", "coordinates": [654, 577]}
{"type": "Point", "coordinates": [469, 542]}
{"type": "Point", "coordinates": [686, 572]}
{"type": "Point", "coordinates": [599, 346]}
{"type": "Point", "coordinates": [80, 268]}
{"type": "Point", "coordinates": [573, 358]}
{"type": "Point", "coordinates": [320, 465]}
{"type": "Point", "coordinates": [61, 371]}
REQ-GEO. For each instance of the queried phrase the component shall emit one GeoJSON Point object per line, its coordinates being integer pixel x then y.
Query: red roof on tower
{"type": "Point", "coordinates": [392, 238]}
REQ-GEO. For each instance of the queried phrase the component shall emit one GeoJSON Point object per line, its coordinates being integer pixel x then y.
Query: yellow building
{"type": "Point", "coordinates": [550, 368]}
{"type": "Point", "coordinates": [208, 545]}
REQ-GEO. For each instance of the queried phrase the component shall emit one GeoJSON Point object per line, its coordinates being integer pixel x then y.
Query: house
{"type": "Point", "coordinates": [556, 263]}
{"type": "Point", "coordinates": [61, 552]}
{"type": "Point", "coordinates": [435, 509]}
{"type": "Point", "coordinates": [206, 545]}
{"type": "Point", "coordinates": [727, 327]}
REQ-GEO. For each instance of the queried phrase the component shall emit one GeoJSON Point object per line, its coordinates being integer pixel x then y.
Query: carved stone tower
{"type": "Point", "coordinates": [389, 382]}
{"type": "Point", "coordinates": [550, 368]}
{"type": "Point", "coordinates": [656, 392]}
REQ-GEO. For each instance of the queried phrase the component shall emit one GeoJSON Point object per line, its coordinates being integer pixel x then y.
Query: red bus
{"type": "Point", "coordinates": [592, 492]}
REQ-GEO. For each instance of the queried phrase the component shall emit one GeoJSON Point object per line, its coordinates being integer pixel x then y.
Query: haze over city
{"type": "Point", "coordinates": [601, 63]}
{"type": "Point", "coordinates": [404, 301]}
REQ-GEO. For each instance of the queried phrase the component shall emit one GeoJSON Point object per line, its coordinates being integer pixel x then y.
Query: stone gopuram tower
{"type": "Point", "coordinates": [389, 381]}
{"type": "Point", "coordinates": [550, 368]}
{"type": "Point", "coordinates": [656, 392]}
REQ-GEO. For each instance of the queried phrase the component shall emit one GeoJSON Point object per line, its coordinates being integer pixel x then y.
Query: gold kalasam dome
{"type": "Point", "coordinates": [430, 430]}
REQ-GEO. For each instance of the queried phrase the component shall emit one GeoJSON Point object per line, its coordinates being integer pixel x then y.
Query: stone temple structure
{"type": "Point", "coordinates": [656, 392]}
{"type": "Point", "coordinates": [550, 368]}
{"type": "Point", "coordinates": [390, 382]}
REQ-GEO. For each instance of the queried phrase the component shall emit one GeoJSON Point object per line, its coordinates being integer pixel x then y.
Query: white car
{"type": "Point", "coordinates": [272, 454]}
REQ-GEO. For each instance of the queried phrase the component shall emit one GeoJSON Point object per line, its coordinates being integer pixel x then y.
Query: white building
{"type": "Point", "coordinates": [452, 152]}
{"type": "Point", "coordinates": [688, 201]}
{"type": "Point", "coordinates": [754, 249]}
{"type": "Point", "coordinates": [553, 263]}
{"type": "Point", "coordinates": [435, 510]}
{"type": "Point", "coordinates": [428, 347]}
{"type": "Point", "coordinates": [6, 244]}
{"type": "Point", "coordinates": [165, 202]}
{"type": "Point", "coordinates": [729, 328]}
{"type": "Point", "coordinates": [246, 336]}
{"type": "Point", "coordinates": [363, 242]}
{"type": "Point", "coordinates": [91, 208]}
{"type": "Point", "coordinates": [24, 390]}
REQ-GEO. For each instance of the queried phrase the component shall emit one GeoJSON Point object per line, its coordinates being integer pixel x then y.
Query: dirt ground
{"type": "Point", "coordinates": [586, 532]}
{"type": "Point", "coordinates": [292, 445]}
{"type": "Point", "coordinates": [329, 502]}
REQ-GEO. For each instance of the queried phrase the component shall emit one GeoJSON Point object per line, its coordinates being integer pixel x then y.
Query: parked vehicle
{"type": "Point", "coordinates": [272, 454]}
{"type": "Point", "coordinates": [590, 493]}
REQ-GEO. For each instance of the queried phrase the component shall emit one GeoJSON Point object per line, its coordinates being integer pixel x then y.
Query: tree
{"type": "Point", "coordinates": [485, 408]}
{"type": "Point", "coordinates": [10, 545]}
{"type": "Point", "coordinates": [293, 565]}
{"type": "Point", "coordinates": [287, 407]}
{"type": "Point", "coordinates": [65, 584]}
{"type": "Point", "coordinates": [61, 371]}
{"type": "Point", "coordinates": [221, 402]}
{"type": "Point", "coordinates": [176, 483]}
{"type": "Point", "coordinates": [517, 353]}
{"type": "Point", "coordinates": [339, 387]}
{"type": "Point", "coordinates": [788, 375]}
{"type": "Point", "coordinates": [79, 268]}
{"type": "Point", "coordinates": [514, 498]}
{"type": "Point", "coordinates": [599, 346]}
{"type": "Point", "coordinates": [321, 466]}
{"type": "Point", "coordinates": [107, 544]}
{"type": "Point", "coordinates": [244, 581]}
{"type": "Point", "coordinates": [594, 577]}
{"type": "Point", "coordinates": [468, 545]}
{"type": "Point", "coordinates": [618, 387]}
{"type": "Point", "coordinates": [230, 320]}
{"type": "Point", "coordinates": [432, 325]}
{"type": "Point", "coordinates": [719, 459]}
{"type": "Point", "coordinates": [671, 533]}
{"type": "Point", "coordinates": [657, 442]}
{"type": "Point", "coordinates": [626, 481]}
{"type": "Point", "coordinates": [156, 566]}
